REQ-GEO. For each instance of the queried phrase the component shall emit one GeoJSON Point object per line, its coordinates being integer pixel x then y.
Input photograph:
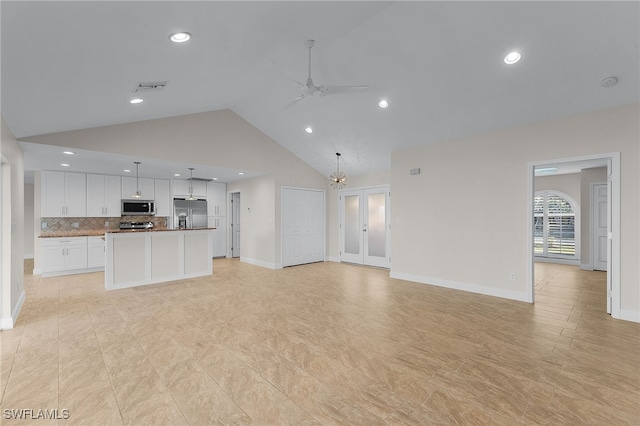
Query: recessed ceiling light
{"type": "Point", "coordinates": [308, 130]}
{"type": "Point", "coordinates": [179, 37]}
{"type": "Point", "coordinates": [383, 103]}
{"type": "Point", "coordinates": [136, 101]}
{"type": "Point", "coordinates": [240, 173]}
{"type": "Point", "coordinates": [127, 170]}
{"type": "Point", "coordinates": [65, 165]}
{"type": "Point", "coordinates": [512, 58]}
{"type": "Point", "coordinates": [176, 174]}
{"type": "Point", "coordinates": [68, 152]}
{"type": "Point", "coordinates": [214, 178]}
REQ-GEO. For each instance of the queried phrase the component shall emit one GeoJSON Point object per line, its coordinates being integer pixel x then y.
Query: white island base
{"type": "Point", "coordinates": [139, 258]}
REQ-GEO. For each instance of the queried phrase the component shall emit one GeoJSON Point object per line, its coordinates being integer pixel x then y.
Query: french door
{"type": "Point", "coordinates": [364, 226]}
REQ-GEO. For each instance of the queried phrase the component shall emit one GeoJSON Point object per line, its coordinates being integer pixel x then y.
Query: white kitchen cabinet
{"type": "Point", "coordinates": [181, 188]}
{"type": "Point", "coordinates": [216, 199]}
{"type": "Point", "coordinates": [146, 185]}
{"type": "Point", "coordinates": [64, 255]}
{"type": "Point", "coordinates": [219, 236]}
{"type": "Point", "coordinates": [163, 198]}
{"type": "Point", "coordinates": [103, 196]}
{"type": "Point", "coordinates": [95, 252]}
{"type": "Point", "coordinates": [63, 194]}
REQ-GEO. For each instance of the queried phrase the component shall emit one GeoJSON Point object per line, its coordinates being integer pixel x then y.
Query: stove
{"type": "Point", "coordinates": [136, 225]}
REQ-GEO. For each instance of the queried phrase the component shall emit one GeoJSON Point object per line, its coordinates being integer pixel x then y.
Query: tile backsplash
{"type": "Point", "coordinates": [83, 224]}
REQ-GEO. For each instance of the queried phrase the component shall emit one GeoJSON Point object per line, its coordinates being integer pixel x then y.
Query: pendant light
{"type": "Point", "coordinates": [338, 179]}
{"type": "Point", "coordinates": [137, 194]}
{"type": "Point", "coordinates": [191, 197]}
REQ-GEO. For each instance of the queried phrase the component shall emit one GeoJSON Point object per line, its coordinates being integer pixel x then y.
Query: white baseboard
{"type": "Point", "coordinates": [586, 267]}
{"type": "Point", "coordinates": [8, 322]}
{"type": "Point", "coordinates": [332, 259]}
{"type": "Point", "coordinates": [260, 263]}
{"type": "Point", "coordinates": [629, 315]}
{"type": "Point", "coordinates": [71, 272]}
{"type": "Point", "coordinates": [472, 288]}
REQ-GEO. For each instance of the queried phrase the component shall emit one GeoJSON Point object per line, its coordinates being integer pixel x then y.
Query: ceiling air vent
{"type": "Point", "coordinates": [154, 86]}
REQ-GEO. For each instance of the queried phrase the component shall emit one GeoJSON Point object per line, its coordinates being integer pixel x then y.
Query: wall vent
{"type": "Point", "coordinates": [154, 86]}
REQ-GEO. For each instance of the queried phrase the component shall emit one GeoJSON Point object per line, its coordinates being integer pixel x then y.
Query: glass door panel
{"type": "Point", "coordinates": [352, 225]}
{"type": "Point", "coordinates": [376, 225]}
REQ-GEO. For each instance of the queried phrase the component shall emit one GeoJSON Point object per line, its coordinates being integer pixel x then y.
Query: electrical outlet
{"type": "Point", "coordinates": [75, 224]}
{"type": "Point", "coordinates": [512, 277]}
{"type": "Point", "coordinates": [106, 223]}
{"type": "Point", "coordinates": [43, 225]}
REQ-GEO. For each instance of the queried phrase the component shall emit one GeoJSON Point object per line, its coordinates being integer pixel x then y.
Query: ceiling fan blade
{"type": "Point", "coordinates": [334, 90]}
{"type": "Point", "coordinates": [287, 71]}
{"type": "Point", "coordinates": [293, 102]}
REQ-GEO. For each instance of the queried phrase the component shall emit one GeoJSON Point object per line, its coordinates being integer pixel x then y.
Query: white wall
{"type": "Point", "coordinates": [12, 222]}
{"type": "Point", "coordinates": [568, 183]}
{"type": "Point", "coordinates": [257, 218]}
{"type": "Point", "coordinates": [440, 218]}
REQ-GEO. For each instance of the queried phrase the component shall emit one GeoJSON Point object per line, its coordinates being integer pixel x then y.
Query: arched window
{"type": "Point", "coordinates": [554, 223]}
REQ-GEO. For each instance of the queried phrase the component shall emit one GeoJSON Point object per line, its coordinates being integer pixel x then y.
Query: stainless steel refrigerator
{"type": "Point", "coordinates": [189, 214]}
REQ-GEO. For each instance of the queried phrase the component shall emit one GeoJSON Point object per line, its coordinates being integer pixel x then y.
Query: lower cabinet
{"type": "Point", "coordinates": [95, 252]}
{"type": "Point", "coordinates": [219, 236]}
{"type": "Point", "coordinates": [73, 255]}
{"type": "Point", "coordinates": [62, 255]}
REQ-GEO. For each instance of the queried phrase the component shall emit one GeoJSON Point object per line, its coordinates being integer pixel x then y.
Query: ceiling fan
{"type": "Point", "coordinates": [310, 89]}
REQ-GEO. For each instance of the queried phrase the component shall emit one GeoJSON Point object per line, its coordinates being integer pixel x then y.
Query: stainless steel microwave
{"type": "Point", "coordinates": [138, 208]}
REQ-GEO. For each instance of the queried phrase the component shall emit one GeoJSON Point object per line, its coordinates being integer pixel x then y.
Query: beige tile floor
{"type": "Point", "coordinates": [325, 343]}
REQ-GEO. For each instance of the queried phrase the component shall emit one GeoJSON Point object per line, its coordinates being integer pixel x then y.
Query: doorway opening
{"type": "Point", "coordinates": [234, 229]}
{"type": "Point", "coordinates": [365, 227]}
{"type": "Point", "coordinates": [608, 248]}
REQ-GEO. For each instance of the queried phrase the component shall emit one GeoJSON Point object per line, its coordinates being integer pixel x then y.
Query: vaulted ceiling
{"type": "Point", "coordinates": [73, 65]}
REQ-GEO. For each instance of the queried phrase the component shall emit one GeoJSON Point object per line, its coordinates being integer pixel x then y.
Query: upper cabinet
{"type": "Point", "coordinates": [63, 194]}
{"type": "Point", "coordinates": [163, 198]}
{"type": "Point", "coordinates": [103, 196]}
{"type": "Point", "coordinates": [181, 188]}
{"type": "Point", "coordinates": [216, 199]}
{"type": "Point", "coordinates": [146, 186]}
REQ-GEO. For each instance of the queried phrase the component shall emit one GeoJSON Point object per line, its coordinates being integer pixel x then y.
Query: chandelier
{"type": "Point", "coordinates": [338, 179]}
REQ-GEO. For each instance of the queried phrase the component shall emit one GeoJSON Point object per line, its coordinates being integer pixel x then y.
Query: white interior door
{"type": "Point", "coordinates": [302, 226]}
{"type": "Point", "coordinates": [364, 226]}
{"type": "Point", "coordinates": [600, 233]}
{"type": "Point", "coordinates": [235, 224]}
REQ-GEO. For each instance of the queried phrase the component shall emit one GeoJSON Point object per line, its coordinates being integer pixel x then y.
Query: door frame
{"type": "Point", "coordinates": [230, 220]}
{"type": "Point", "coordinates": [613, 257]}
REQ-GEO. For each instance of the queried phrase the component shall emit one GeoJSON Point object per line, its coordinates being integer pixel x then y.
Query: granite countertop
{"type": "Point", "coordinates": [101, 232]}
{"type": "Point", "coordinates": [68, 234]}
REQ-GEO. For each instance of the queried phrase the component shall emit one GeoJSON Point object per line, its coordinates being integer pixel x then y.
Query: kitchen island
{"type": "Point", "coordinates": [144, 257]}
